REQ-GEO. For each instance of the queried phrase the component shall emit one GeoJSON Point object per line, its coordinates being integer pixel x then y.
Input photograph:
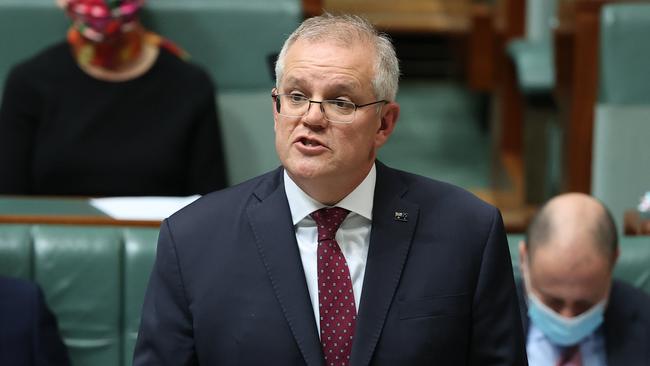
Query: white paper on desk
{"type": "Point", "coordinates": [141, 208]}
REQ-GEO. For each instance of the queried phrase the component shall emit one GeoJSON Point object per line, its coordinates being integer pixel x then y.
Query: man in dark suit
{"type": "Point", "coordinates": [573, 313]}
{"type": "Point", "coordinates": [334, 258]}
{"type": "Point", "coordinates": [29, 335]}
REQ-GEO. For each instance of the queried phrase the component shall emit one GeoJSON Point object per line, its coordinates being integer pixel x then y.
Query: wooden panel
{"type": "Point", "coordinates": [481, 49]}
{"type": "Point", "coordinates": [417, 16]}
{"type": "Point", "coordinates": [312, 8]}
{"type": "Point", "coordinates": [508, 103]}
{"type": "Point", "coordinates": [584, 78]}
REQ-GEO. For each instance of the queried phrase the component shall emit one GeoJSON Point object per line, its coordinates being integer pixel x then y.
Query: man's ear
{"type": "Point", "coordinates": [388, 120]}
{"type": "Point", "coordinates": [275, 110]}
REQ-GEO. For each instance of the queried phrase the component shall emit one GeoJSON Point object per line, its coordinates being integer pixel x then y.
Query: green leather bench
{"type": "Point", "coordinates": [94, 280]}
{"type": "Point", "coordinates": [233, 40]}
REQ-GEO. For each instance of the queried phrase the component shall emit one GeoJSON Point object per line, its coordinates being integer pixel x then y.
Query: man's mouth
{"type": "Point", "coordinates": [308, 142]}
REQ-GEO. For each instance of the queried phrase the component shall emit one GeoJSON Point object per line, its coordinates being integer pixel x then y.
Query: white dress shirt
{"type": "Point", "coordinates": [541, 352]}
{"type": "Point", "coordinates": [353, 235]}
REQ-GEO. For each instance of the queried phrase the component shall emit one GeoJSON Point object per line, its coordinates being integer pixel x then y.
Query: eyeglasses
{"type": "Point", "coordinates": [335, 110]}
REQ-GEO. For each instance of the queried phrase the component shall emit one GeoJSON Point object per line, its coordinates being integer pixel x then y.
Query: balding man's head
{"type": "Point", "coordinates": [569, 254]}
{"type": "Point", "coordinates": [574, 219]}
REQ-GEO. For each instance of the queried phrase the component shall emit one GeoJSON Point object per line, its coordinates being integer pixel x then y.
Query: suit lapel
{"type": "Point", "coordinates": [270, 220]}
{"type": "Point", "coordinates": [393, 225]}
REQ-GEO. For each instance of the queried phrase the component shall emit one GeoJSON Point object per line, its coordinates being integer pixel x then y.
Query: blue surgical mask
{"type": "Point", "coordinates": [561, 330]}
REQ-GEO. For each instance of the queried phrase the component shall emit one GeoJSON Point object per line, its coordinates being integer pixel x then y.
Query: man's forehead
{"type": "Point", "coordinates": [340, 84]}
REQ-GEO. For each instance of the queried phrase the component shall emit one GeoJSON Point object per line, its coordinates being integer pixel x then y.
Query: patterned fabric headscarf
{"type": "Point", "coordinates": [108, 34]}
{"type": "Point", "coordinates": [98, 20]}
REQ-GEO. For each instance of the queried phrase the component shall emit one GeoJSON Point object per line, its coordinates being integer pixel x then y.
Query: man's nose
{"type": "Point", "coordinates": [315, 115]}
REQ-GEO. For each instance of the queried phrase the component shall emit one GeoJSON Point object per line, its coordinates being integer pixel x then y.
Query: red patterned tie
{"type": "Point", "coordinates": [571, 357]}
{"type": "Point", "coordinates": [338, 313]}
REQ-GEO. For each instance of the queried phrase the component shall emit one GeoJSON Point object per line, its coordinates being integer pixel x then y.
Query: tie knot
{"type": "Point", "coordinates": [328, 221]}
{"type": "Point", "coordinates": [571, 356]}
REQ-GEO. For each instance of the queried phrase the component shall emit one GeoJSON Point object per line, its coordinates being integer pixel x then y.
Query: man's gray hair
{"type": "Point", "coordinates": [344, 30]}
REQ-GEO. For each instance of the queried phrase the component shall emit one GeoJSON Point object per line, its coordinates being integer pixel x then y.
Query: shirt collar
{"type": "Point", "coordinates": [359, 201]}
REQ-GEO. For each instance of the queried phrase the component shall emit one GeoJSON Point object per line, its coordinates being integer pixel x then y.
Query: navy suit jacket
{"type": "Point", "coordinates": [28, 331]}
{"type": "Point", "coordinates": [626, 325]}
{"type": "Point", "coordinates": [228, 287]}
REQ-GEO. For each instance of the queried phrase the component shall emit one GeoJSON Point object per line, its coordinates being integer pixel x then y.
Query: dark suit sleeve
{"type": "Point", "coordinates": [166, 333]}
{"type": "Point", "coordinates": [497, 334]}
{"type": "Point", "coordinates": [48, 346]}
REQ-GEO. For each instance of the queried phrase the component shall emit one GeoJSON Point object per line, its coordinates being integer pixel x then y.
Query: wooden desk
{"type": "Point", "coordinates": [59, 211]}
{"type": "Point", "coordinates": [634, 224]}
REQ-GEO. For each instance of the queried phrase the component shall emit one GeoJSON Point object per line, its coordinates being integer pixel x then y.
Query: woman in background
{"type": "Point", "coordinates": [114, 111]}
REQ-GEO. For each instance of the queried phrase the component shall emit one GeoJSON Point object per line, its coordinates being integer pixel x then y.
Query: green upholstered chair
{"type": "Point", "coordinates": [633, 265]}
{"type": "Point", "coordinates": [621, 153]}
{"type": "Point", "coordinates": [93, 278]}
{"type": "Point", "coordinates": [27, 26]}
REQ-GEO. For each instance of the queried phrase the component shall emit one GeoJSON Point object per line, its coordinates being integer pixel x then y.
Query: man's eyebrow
{"type": "Point", "coordinates": [294, 81]}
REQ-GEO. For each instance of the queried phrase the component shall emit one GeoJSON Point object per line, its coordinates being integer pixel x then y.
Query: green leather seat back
{"type": "Point", "coordinates": [621, 156]}
{"type": "Point", "coordinates": [26, 27]}
{"type": "Point", "coordinates": [231, 39]}
{"type": "Point", "coordinates": [624, 54]}
{"type": "Point", "coordinates": [15, 251]}
{"type": "Point", "coordinates": [80, 271]}
{"type": "Point", "coordinates": [139, 255]}
{"type": "Point", "coordinates": [513, 245]}
{"type": "Point", "coordinates": [534, 65]}
{"type": "Point", "coordinates": [247, 130]}
{"type": "Point", "coordinates": [633, 265]}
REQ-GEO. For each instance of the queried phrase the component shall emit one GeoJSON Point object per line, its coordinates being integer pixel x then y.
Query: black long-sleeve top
{"type": "Point", "coordinates": [63, 132]}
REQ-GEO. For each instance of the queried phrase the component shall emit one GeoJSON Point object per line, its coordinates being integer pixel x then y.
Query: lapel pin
{"type": "Point", "coordinates": [401, 216]}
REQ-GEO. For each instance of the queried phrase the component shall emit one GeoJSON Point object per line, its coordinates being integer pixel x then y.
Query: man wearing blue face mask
{"type": "Point", "coordinates": [573, 312]}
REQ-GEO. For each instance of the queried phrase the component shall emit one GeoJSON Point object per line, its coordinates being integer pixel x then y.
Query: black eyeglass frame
{"type": "Point", "coordinates": [322, 109]}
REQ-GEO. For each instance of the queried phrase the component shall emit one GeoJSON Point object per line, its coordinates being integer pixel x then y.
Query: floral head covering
{"type": "Point", "coordinates": [98, 20]}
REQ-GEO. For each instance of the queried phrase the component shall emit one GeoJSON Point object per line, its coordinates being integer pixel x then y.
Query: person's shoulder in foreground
{"type": "Point", "coordinates": [29, 333]}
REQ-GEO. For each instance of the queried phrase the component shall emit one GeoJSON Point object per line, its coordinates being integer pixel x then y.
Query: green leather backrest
{"type": "Point", "coordinates": [621, 157]}
{"type": "Point", "coordinates": [93, 278]}
{"type": "Point", "coordinates": [16, 251]}
{"type": "Point", "coordinates": [247, 130]}
{"type": "Point", "coordinates": [231, 39]}
{"type": "Point", "coordinates": [625, 54]}
{"type": "Point", "coordinates": [633, 265]}
{"type": "Point", "coordinates": [26, 27]}
{"type": "Point", "coordinates": [80, 272]}
{"type": "Point", "coordinates": [139, 255]}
